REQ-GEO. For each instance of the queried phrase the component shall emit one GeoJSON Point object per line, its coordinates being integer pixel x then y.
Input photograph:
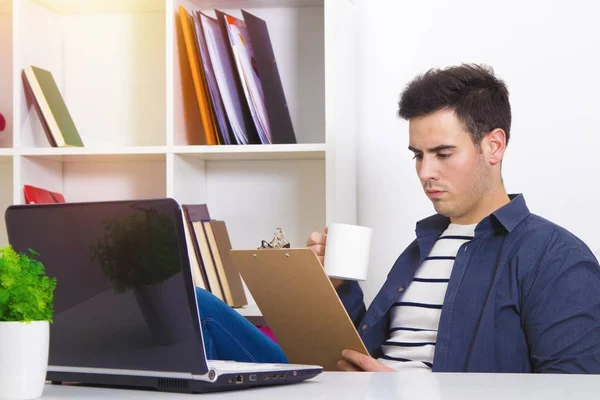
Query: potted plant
{"type": "Point", "coordinates": [26, 309]}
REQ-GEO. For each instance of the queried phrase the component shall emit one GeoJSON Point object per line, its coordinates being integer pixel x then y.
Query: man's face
{"type": "Point", "coordinates": [452, 170]}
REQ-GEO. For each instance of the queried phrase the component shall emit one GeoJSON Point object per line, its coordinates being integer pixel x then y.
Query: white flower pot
{"type": "Point", "coordinates": [23, 359]}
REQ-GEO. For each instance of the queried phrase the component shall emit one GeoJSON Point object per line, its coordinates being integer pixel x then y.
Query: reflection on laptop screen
{"type": "Point", "coordinates": [124, 297]}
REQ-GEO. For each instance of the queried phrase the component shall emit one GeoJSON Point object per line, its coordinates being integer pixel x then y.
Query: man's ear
{"type": "Point", "coordinates": [494, 145]}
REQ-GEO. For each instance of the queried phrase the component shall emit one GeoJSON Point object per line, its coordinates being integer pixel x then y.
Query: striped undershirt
{"type": "Point", "coordinates": [416, 315]}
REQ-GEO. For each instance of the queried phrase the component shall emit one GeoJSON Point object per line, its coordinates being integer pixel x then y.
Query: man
{"type": "Point", "coordinates": [486, 286]}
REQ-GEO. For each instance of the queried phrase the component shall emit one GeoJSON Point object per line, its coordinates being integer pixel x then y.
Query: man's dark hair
{"type": "Point", "coordinates": [477, 97]}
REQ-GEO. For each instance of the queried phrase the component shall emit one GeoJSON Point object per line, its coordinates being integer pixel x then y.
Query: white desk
{"type": "Point", "coordinates": [350, 386]}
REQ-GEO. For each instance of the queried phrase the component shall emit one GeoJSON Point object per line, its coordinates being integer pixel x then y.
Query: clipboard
{"type": "Point", "coordinates": [299, 304]}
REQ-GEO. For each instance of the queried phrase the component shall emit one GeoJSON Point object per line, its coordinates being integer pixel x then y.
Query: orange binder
{"type": "Point", "coordinates": [206, 113]}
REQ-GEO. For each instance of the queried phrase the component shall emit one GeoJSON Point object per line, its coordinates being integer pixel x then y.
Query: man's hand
{"type": "Point", "coordinates": [317, 242]}
{"type": "Point", "coordinates": [353, 361]}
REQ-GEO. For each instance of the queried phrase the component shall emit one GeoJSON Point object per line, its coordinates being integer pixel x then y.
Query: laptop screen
{"type": "Point", "coordinates": [124, 296]}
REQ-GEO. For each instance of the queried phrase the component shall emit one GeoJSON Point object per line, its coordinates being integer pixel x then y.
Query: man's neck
{"type": "Point", "coordinates": [493, 201]}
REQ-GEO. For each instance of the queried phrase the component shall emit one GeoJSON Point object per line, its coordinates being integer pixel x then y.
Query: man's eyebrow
{"type": "Point", "coordinates": [434, 149]}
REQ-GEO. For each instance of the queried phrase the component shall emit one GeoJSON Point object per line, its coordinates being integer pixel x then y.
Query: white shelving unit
{"type": "Point", "coordinates": [121, 67]}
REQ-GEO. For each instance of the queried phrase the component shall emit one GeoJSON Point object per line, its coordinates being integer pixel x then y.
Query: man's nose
{"type": "Point", "coordinates": [428, 170]}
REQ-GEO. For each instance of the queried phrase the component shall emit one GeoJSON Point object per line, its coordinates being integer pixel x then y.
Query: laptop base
{"type": "Point", "coordinates": [225, 382]}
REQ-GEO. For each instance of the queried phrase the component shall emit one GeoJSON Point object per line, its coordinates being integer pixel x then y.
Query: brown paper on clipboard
{"type": "Point", "coordinates": [299, 304]}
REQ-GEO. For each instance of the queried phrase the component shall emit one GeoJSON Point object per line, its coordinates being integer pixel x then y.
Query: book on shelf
{"type": "Point", "coordinates": [195, 215]}
{"type": "Point", "coordinates": [51, 108]}
{"type": "Point", "coordinates": [220, 245]}
{"type": "Point", "coordinates": [236, 78]}
{"type": "Point", "coordinates": [208, 247]}
{"type": "Point", "coordinates": [198, 77]}
{"type": "Point", "coordinates": [197, 274]}
{"type": "Point", "coordinates": [37, 195]}
{"type": "Point", "coordinates": [236, 110]}
{"type": "Point", "coordinates": [253, 44]}
{"type": "Point", "coordinates": [222, 124]}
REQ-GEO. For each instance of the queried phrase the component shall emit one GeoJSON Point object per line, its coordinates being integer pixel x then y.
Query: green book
{"type": "Point", "coordinates": [51, 108]}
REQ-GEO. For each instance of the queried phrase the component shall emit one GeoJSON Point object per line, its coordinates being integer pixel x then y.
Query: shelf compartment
{"type": "Point", "coordinates": [110, 69]}
{"type": "Point", "coordinates": [101, 180]}
{"type": "Point", "coordinates": [297, 34]}
{"type": "Point", "coordinates": [255, 196]}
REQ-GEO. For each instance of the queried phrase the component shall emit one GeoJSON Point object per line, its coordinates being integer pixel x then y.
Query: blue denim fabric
{"type": "Point", "coordinates": [229, 336]}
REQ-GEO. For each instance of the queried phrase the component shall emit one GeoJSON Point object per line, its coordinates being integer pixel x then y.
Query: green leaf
{"type": "Point", "coordinates": [26, 293]}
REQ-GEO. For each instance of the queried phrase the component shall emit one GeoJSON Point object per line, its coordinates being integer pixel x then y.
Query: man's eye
{"type": "Point", "coordinates": [418, 156]}
{"type": "Point", "coordinates": [444, 155]}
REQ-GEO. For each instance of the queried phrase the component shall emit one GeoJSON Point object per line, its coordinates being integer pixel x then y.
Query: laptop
{"type": "Point", "coordinates": [125, 309]}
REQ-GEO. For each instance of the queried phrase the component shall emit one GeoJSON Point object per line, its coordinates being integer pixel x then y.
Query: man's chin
{"type": "Point", "coordinates": [442, 208]}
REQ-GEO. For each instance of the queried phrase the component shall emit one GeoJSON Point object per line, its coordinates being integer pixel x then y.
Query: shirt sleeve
{"type": "Point", "coordinates": [561, 314]}
{"type": "Point", "coordinates": [352, 298]}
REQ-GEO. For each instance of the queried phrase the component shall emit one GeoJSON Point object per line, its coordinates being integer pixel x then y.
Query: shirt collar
{"type": "Point", "coordinates": [507, 217]}
{"type": "Point", "coordinates": [512, 214]}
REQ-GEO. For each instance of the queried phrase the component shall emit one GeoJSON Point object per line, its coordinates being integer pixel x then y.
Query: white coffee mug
{"type": "Point", "coordinates": [347, 251]}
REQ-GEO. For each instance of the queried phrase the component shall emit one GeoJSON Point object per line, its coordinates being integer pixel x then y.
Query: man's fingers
{"type": "Point", "coordinates": [315, 238]}
{"type": "Point", "coordinates": [344, 365]}
{"type": "Point", "coordinates": [355, 358]}
{"type": "Point", "coordinates": [319, 249]}
{"type": "Point", "coordinates": [311, 239]}
{"type": "Point", "coordinates": [364, 362]}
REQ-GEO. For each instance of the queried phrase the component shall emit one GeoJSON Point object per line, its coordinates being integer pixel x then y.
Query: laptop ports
{"type": "Point", "coordinates": [282, 376]}
{"type": "Point", "coordinates": [239, 379]}
{"type": "Point", "coordinates": [252, 378]}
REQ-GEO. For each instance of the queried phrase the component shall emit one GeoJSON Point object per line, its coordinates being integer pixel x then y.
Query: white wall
{"type": "Point", "coordinates": [547, 52]}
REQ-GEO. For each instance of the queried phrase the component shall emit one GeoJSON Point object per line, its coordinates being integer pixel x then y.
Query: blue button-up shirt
{"type": "Point", "coordinates": [523, 296]}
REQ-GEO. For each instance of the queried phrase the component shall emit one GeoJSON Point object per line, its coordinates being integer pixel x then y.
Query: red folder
{"type": "Point", "coordinates": [36, 195]}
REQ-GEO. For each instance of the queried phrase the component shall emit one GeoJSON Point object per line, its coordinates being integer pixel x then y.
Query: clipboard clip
{"type": "Point", "coordinates": [279, 241]}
